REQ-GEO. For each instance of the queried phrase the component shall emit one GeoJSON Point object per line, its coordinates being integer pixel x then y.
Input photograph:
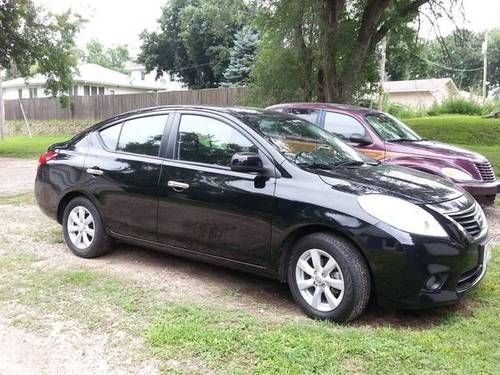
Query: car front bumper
{"type": "Point", "coordinates": [481, 189]}
{"type": "Point", "coordinates": [420, 272]}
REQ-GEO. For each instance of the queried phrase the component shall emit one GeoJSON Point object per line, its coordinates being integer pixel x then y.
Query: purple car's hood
{"type": "Point", "coordinates": [433, 149]}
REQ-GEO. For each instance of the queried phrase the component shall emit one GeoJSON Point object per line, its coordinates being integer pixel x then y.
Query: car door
{"type": "Point", "coordinates": [348, 128]}
{"type": "Point", "coordinates": [123, 169]}
{"type": "Point", "coordinates": [206, 207]}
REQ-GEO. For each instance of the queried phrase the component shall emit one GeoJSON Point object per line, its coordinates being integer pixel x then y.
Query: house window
{"type": "Point", "coordinates": [33, 93]}
{"type": "Point", "coordinates": [112, 92]}
{"type": "Point", "coordinates": [86, 90]}
{"type": "Point", "coordinates": [143, 75]}
{"type": "Point", "coordinates": [75, 90]}
{"type": "Point", "coordinates": [94, 90]}
{"type": "Point", "coordinates": [101, 90]}
{"type": "Point", "coordinates": [20, 93]}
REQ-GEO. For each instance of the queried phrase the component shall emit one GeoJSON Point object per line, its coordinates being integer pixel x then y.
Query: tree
{"type": "Point", "coordinates": [457, 56]}
{"type": "Point", "coordinates": [36, 42]}
{"type": "Point", "coordinates": [242, 58]}
{"type": "Point", "coordinates": [112, 58]}
{"type": "Point", "coordinates": [338, 39]}
{"type": "Point", "coordinates": [194, 40]}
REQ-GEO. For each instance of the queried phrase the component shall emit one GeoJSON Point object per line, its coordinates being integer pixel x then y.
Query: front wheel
{"type": "Point", "coordinates": [83, 229]}
{"type": "Point", "coordinates": [328, 277]}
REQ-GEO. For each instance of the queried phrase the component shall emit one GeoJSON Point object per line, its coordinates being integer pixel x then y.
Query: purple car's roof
{"type": "Point", "coordinates": [338, 107]}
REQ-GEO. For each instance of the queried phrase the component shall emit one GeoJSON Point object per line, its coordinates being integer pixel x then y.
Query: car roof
{"type": "Point", "coordinates": [326, 106]}
{"type": "Point", "coordinates": [238, 112]}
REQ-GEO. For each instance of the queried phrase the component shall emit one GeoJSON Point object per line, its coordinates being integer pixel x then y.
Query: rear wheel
{"type": "Point", "coordinates": [83, 229]}
{"type": "Point", "coordinates": [328, 277]}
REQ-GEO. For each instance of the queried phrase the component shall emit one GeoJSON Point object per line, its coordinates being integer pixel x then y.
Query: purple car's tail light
{"type": "Point", "coordinates": [486, 171]}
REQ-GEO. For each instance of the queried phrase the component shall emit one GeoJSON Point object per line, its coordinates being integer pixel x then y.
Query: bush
{"type": "Point", "coordinates": [403, 111]}
{"type": "Point", "coordinates": [460, 106]}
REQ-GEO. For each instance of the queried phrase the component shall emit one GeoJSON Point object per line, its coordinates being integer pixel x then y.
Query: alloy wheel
{"type": "Point", "coordinates": [320, 280]}
{"type": "Point", "coordinates": [81, 227]}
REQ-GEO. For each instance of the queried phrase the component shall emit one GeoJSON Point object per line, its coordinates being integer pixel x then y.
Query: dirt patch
{"type": "Point", "coordinates": [17, 175]}
{"type": "Point", "coordinates": [493, 218]}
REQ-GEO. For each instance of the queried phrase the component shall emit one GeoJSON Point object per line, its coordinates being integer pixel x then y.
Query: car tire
{"type": "Point", "coordinates": [340, 293]}
{"type": "Point", "coordinates": [83, 229]}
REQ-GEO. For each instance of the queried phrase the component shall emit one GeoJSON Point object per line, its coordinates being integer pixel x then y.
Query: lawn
{"type": "Point", "coordinates": [26, 147]}
{"type": "Point", "coordinates": [458, 340]}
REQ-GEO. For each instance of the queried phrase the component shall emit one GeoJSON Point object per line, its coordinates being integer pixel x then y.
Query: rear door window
{"type": "Point", "coordinates": [343, 126]}
{"type": "Point", "coordinates": [142, 135]}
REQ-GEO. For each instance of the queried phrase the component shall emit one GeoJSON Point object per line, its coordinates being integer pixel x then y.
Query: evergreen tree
{"type": "Point", "coordinates": [242, 58]}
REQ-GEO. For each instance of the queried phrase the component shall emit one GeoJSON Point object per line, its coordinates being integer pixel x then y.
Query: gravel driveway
{"type": "Point", "coordinates": [68, 349]}
{"type": "Point", "coordinates": [16, 175]}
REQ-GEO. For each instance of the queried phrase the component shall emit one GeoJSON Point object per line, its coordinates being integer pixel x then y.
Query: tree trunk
{"type": "Point", "coordinates": [2, 112]}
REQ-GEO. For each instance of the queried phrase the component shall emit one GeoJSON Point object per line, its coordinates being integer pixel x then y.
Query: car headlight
{"type": "Point", "coordinates": [401, 214]}
{"type": "Point", "coordinates": [456, 174]}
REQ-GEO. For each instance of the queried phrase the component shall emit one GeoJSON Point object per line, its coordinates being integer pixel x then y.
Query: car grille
{"type": "Point", "coordinates": [486, 171]}
{"type": "Point", "coordinates": [470, 219]}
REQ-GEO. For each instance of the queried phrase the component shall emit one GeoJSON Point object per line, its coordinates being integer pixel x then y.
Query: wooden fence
{"type": "Point", "coordinates": [104, 106]}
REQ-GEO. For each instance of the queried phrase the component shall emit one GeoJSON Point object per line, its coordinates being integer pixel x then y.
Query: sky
{"type": "Point", "coordinates": [115, 22]}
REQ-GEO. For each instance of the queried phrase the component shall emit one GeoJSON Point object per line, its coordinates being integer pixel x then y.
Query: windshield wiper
{"type": "Point", "coordinates": [348, 163]}
{"type": "Point", "coordinates": [315, 165]}
{"type": "Point", "coordinates": [405, 140]}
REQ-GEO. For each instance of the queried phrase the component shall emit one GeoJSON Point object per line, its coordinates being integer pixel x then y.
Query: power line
{"type": "Point", "coordinates": [442, 66]}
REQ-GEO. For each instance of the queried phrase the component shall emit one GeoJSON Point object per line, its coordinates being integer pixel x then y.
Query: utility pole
{"type": "Point", "coordinates": [382, 74]}
{"type": "Point", "coordinates": [2, 110]}
{"type": "Point", "coordinates": [485, 65]}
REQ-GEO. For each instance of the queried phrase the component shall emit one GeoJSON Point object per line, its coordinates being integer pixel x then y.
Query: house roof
{"type": "Point", "coordinates": [428, 85]}
{"type": "Point", "coordinates": [90, 74]}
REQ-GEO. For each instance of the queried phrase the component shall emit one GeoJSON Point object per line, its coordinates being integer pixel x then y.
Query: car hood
{"type": "Point", "coordinates": [433, 149]}
{"type": "Point", "coordinates": [412, 185]}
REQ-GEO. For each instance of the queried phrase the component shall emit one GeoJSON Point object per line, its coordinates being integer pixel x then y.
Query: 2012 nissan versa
{"type": "Point", "coordinates": [268, 193]}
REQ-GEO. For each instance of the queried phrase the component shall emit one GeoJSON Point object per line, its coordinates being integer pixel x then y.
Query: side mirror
{"type": "Point", "coordinates": [359, 139]}
{"type": "Point", "coordinates": [246, 162]}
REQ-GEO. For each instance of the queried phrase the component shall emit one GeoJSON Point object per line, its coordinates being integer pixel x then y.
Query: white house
{"type": "Point", "coordinates": [167, 81]}
{"type": "Point", "coordinates": [421, 92]}
{"type": "Point", "coordinates": [90, 80]}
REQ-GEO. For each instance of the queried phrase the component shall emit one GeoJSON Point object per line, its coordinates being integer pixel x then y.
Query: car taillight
{"type": "Point", "coordinates": [45, 157]}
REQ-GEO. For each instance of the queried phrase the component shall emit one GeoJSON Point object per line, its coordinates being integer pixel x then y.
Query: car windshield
{"type": "Point", "coordinates": [302, 142]}
{"type": "Point", "coordinates": [390, 129]}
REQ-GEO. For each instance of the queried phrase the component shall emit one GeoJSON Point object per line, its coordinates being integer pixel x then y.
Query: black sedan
{"type": "Point", "coordinates": [268, 193]}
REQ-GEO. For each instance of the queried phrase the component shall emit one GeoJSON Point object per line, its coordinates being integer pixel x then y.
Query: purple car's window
{"type": "Point", "coordinates": [390, 129]}
{"type": "Point", "coordinates": [306, 114]}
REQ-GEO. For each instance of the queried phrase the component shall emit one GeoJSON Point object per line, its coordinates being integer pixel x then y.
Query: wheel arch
{"type": "Point", "coordinates": [301, 232]}
{"type": "Point", "coordinates": [68, 197]}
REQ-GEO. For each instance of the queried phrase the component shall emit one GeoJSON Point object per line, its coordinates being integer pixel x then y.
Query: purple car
{"type": "Point", "coordinates": [385, 138]}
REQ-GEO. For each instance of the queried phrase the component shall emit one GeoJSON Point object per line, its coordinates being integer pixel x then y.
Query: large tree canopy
{"type": "Point", "coordinates": [334, 41]}
{"type": "Point", "coordinates": [37, 42]}
{"type": "Point", "coordinates": [194, 40]}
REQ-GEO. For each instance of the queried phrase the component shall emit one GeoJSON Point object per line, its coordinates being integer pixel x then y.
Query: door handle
{"type": "Point", "coordinates": [177, 186]}
{"type": "Point", "coordinates": [95, 172]}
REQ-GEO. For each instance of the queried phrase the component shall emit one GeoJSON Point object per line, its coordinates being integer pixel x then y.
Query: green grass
{"type": "Point", "coordinates": [18, 199]}
{"type": "Point", "coordinates": [457, 129]}
{"type": "Point", "coordinates": [26, 147]}
{"type": "Point", "coordinates": [456, 340]}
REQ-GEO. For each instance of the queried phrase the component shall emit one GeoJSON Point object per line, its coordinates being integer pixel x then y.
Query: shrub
{"type": "Point", "coordinates": [460, 106]}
